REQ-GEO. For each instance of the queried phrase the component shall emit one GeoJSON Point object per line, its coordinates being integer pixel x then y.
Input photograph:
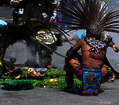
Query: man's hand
{"type": "Point", "coordinates": [115, 48]}
{"type": "Point", "coordinates": [74, 63]}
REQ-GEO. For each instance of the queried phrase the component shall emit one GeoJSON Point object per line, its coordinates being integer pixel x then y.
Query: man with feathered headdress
{"type": "Point", "coordinates": [95, 18]}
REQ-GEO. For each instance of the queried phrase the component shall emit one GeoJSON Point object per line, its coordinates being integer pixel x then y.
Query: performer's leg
{"type": "Point", "coordinates": [45, 56]}
{"type": "Point", "coordinates": [31, 49]}
{"type": "Point", "coordinates": [69, 76]}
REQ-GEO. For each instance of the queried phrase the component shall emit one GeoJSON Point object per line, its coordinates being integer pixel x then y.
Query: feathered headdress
{"type": "Point", "coordinates": [90, 13]}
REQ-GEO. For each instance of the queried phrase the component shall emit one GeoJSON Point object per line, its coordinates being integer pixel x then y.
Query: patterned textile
{"type": "Point", "coordinates": [91, 80]}
{"type": "Point", "coordinates": [96, 47]}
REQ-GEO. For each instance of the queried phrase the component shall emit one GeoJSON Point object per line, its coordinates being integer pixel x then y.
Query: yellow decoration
{"type": "Point", "coordinates": [46, 36]}
{"type": "Point", "coordinates": [53, 80]}
{"type": "Point", "coordinates": [0, 63]}
{"type": "Point", "coordinates": [26, 68]}
{"type": "Point", "coordinates": [17, 77]}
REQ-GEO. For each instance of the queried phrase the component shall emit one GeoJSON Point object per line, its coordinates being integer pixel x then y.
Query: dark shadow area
{"type": "Point", "coordinates": [15, 88]}
{"type": "Point", "coordinates": [77, 91]}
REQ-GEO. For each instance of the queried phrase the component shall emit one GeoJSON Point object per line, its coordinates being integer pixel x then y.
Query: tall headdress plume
{"type": "Point", "coordinates": [84, 13]}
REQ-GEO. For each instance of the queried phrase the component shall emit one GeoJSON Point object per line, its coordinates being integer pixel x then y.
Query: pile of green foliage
{"type": "Point", "coordinates": [53, 78]}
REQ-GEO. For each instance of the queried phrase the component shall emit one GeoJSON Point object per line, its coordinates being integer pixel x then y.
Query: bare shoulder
{"type": "Point", "coordinates": [79, 44]}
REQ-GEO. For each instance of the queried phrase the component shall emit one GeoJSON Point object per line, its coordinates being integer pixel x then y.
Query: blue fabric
{"type": "Point", "coordinates": [91, 80]}
{"type": "Point", "coordinates": [58, 13]}
{"type": "Point", "coordinates": [80, 34]}
{"type": "Point", "coordinates": [3, 23]}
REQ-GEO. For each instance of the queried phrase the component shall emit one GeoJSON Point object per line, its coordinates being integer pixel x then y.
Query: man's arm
{"type": "Point", "coordinates": [72, 55]}
{"type": "Point", "coordinates": [112, 44]}
{"type": "Point", "coordinates": [72, 52]}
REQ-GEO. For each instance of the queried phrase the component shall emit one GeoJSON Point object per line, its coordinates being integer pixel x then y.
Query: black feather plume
{"type": "Point", "coordinates": [83, 13]}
